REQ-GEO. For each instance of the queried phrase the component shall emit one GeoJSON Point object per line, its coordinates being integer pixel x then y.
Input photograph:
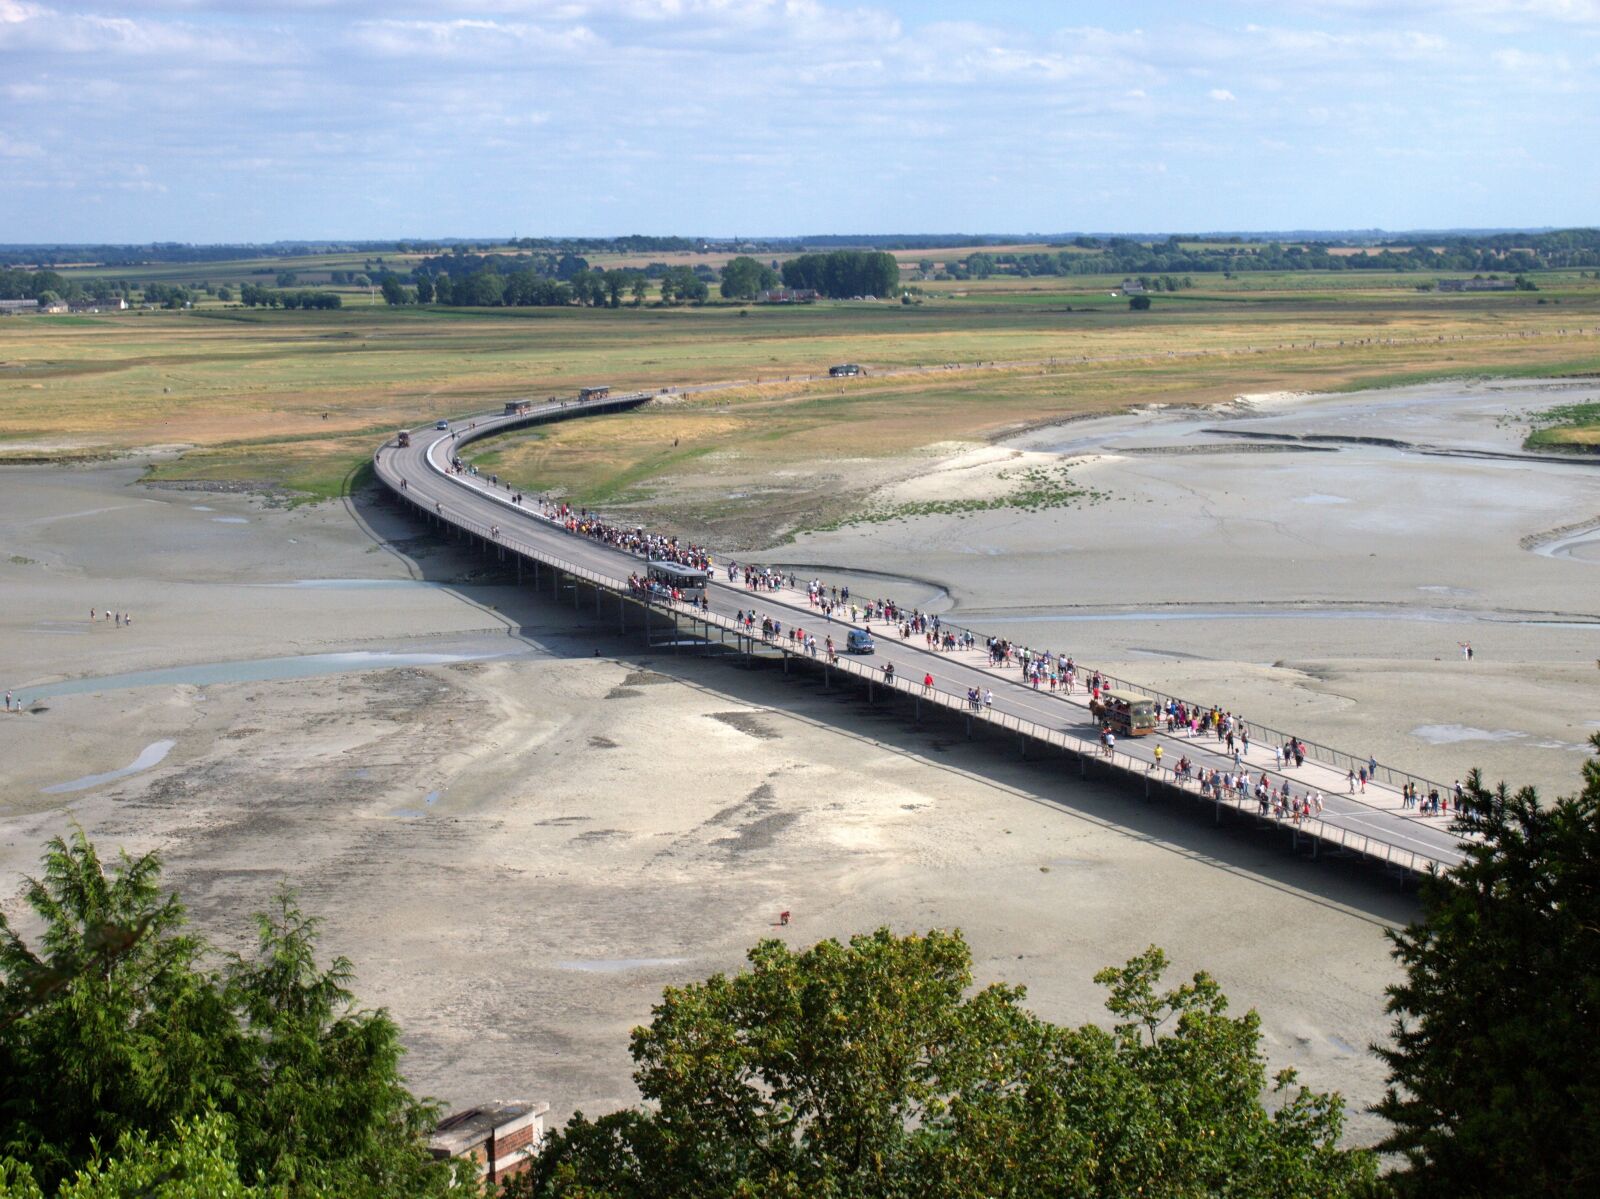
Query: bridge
{"type": "Point", "coordinates": [1373, 824]}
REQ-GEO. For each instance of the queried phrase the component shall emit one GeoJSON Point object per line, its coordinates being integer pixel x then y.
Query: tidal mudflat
{"type": "Point", "coordinates": [1317, 562]}
{"type": "Point", "coordinates": [520, 839]}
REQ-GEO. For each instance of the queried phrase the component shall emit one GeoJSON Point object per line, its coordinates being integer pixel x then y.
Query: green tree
{"type": "Point", "coordinates": [1494, 1073]}
{"type": "Point", "coordinates": [616, 282]}
{"type": "Point", "coordinates": [424, 290]}
{"type": "Point", "coordinates": [639, 289]}
{"type": "Point", "coordinates": [287, 278]}
{"type": "Point", "coordinates": [195, 1162]}
{"type": "Point", "coordinates": [225, 294]}
{"type": "Point", "coordinates": [1139, 303]}
{"type": "Point", "coordinates": [845, 273]}
{"type": "Point", "coordinates": [394, 292]}
{"type": "Point", "coordinates": [114, 1030]}
{"type": "Point", "coordinates": [680, 282]}
{"type": "Point", "coordinates": [320, 1107]}
{"type": "Point", "coordinates": [868, 1070]}
{"type": "Point", "coordinates": [744, 277]}
{"type": "Point", "coordinates": [112, 1026]}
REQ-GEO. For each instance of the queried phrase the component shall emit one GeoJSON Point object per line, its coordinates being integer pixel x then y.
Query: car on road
{"type": "Point", "coordinates": [844, 369]}
{"type": "Point", "coordinates": [441, 424]}
{"type": "Point", "coordinates": [859, 641]}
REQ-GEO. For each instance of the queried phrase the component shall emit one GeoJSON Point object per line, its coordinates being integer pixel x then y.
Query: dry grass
{"type": "Point", "coordinates": [249, 392]}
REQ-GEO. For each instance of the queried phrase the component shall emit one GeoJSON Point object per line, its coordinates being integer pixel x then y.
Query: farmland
{"type": "Point", "coordinates": [292, 402]}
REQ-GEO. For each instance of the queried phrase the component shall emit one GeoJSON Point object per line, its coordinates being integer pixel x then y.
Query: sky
{"type": "Point", "coordinates": [261, 120]}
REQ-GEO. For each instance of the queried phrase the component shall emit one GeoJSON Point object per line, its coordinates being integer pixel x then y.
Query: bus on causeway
{"type": "Point", "coordinates": [688, 581]}
{"type": "Point", "coordinates": [1128, 714]}
{"type": "Point", "coordinates": [593, 393]}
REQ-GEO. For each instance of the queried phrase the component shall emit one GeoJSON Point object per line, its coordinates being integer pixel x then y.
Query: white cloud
{"type": "Point", "coordinates": [484, 114]}
{"type": "Point", "coordinates": [1523, 62]}
{"type": "Point", "coordinates": [10, 147]}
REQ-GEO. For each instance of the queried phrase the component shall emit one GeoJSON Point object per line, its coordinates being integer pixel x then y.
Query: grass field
{"type": "Point", "coordinates": [1570, 427]}
{"type": "Point", "coordinates": [296, 400]}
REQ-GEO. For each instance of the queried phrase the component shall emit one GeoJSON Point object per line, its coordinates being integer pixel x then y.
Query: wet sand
{"type": "Point", "coordinates": [1312, 561]}
{"type": "Point", "coordinates": [521, 837]}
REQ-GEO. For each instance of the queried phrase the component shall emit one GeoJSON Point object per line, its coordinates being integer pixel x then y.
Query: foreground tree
{"type": "Point", "coordinates": [867, 1070]}
{"type": "Point", "coordinates": [115, 1029]}
{"type": "Point", "coordinates": [1495, 1068]}
{"type": "Point", "coordinates": [320, 1103]}
{"type": "Point", "coordinates": [112, 1026]}
{"type": "Point", "coordinates": [195, 1162]}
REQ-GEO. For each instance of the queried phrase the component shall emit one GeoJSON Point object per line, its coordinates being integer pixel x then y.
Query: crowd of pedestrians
{"type": "Point", "coordinates": [1040, 669]}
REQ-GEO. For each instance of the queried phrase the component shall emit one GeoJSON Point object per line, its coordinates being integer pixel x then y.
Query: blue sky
{"type": "Point", "coordinates": [221, 120]}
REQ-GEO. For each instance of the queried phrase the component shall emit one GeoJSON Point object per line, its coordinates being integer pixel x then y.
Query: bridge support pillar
{"type": "Point", "coordinates": [1022, 744]}
{"type": "Point", "coordinates": [969, 728]}
{"type": "Point", "coordinates": [622, 613]}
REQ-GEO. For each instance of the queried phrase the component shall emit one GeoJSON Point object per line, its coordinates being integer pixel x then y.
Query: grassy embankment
{"type": "Point", "coordinates": [296, 401]}
{"type": "Point", "coordinates": [1571, 428]}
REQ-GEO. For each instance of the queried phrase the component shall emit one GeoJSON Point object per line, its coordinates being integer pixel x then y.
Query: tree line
{"type": "Point", "coordinates": [842, 274]}
{"type": "Point", "coordinates": [253, 295]}
{"type": "Point", "coordinates": [1112, 256]}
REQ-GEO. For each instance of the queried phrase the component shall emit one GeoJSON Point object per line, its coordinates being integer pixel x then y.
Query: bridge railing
{"type": "Point", "coordinates": [1072, 742]}
{"type": "Point", "coordinates": [1310, 826]}
{"type": "Point", "coordinates": [1261, 734]}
